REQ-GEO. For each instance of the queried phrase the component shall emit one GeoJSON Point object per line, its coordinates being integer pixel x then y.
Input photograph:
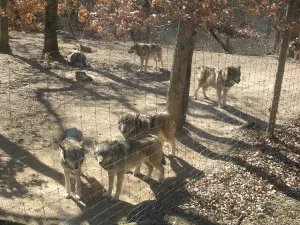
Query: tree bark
{"type": "Point", "coordinates": [50, 31]}
{"type": "Point", "coordinates": [290, 12]}
{"type": "Point", "coordinates": [178, 93]}
{"type": "Point", "coordinates": [4, 37]}
{"type": "Point", "coordinates": [225, 46]}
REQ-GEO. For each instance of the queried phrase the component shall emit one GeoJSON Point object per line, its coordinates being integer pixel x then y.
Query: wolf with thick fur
{"type": "Point", "coordinates": [78, 59]}
{"type": "Point", "coordinates": [71, 157]}
{"type": "Point", "coordinates": [145, 52]}
{"type": "Point", "coordinates": [295, 47]}
{"type": "Point", "coordinates": [160, 124]}
{"type": "Point", "coordinates": [118, 157]}
{"type": "Point", "coordinates": [220, 79]}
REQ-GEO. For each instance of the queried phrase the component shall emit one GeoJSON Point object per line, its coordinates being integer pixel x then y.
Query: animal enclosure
{"type": "Point", "coordinates": [38, 102]}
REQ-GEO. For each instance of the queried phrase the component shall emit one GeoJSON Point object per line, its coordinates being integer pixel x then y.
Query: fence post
{"type": "Point", "coordinates": [281, 64]}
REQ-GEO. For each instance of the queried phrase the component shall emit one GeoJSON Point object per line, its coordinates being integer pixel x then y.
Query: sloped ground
{"type": "Point", "coordinates": [217, 159]}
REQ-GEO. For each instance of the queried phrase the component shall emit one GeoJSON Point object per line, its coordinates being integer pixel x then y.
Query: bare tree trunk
{"type": "Point", "coordinates": [290, 12]}
{"type": "Point", "coordinates": [50, 31]}
{"type": "Point", "coordinates": [225, 46]}
{"type": "Point", "coordinates": [178, 93]}
{"type": "Point", "coordinates": [4, 37]}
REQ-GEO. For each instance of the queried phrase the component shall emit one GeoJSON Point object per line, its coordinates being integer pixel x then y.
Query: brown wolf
{"type": "Point", "coordinates": [160, 124]}
{"type": "Point", "coordinates": [222, 80]}
{"type": "Point", "coordinates": [71, 157]}
{"type": "Point", "coordinates": [145, 52]}
{"type": "Point", "coordinates": [295, 47]}
{"type": "Point", "coordinates": [118, 157]}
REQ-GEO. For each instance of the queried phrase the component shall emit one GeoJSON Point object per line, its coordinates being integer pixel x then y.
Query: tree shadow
{"type": "Point", "coordinates": [246, 117]}
{"type": "Point", "coordinates": [19, 219]}
{"type": "Point", "coordinates": [223, 140]}
{"type": "Point", "coordinates": [128, 83]}
{"type": "Point", "coordinates": [214, 113]}
{"type": "Point", "coordinates": [97, 209]}
{"type": "Point", "coordinates": [82, 88]}
{"type": "Point", "coordinates": [24, 158]}
{"type": "Point", "coordinates": [163, 75]}
{"type": "Point", "coordinates": [170, 194]}
{"type": "Point", "coordinates": [10, 187]}
{"type": "Point", "coordinates": [186, 139]}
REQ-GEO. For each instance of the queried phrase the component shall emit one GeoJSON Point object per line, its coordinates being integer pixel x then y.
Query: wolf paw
{"type": "Point", "coordinates": [114, 199]}
{"type": "Point", "coordinates": [67, 195]}
{"type": "Point", "coordinates": [77, 196]}
{"type": "Point", "coordinates": [136, 173]}
{"type": "Point", "coordinates": [173, 153]}
{"type": "Point", "coordinates": [106, 194]}
{"type": "Point", "coordinates": [160, 180]}
{"type": "Point", "coordinates": [146, 178]}
{"type": "Point", "coordinates": [221, 106]}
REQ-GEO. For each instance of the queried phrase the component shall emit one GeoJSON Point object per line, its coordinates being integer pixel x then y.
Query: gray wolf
{"type": "Point", "coordinates": [220, 79]}
{"type": "Point", "coordinates": [72, 154]}
{"type": "Point", "coordinates": [145, 52]}
{"type": "Point", "coordinates": [118, 157]}
{"type": "Point", "coordinates": [160, 124]}
{"type": "Point", "coordinates": [295, 47]}
{"type": "Point", "coordinates": [78, 59]}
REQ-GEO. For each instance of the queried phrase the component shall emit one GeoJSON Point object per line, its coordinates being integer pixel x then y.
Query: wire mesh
{"type": "Point", "coordinates": [38, 102]}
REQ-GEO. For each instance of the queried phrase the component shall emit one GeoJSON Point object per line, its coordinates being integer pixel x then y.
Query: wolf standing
{"type": "Point", "coordinates": [160, 124]}
{"type": "Point", "coordinates": [145, 52]}
{"type": "Point", "coordinates": [71, 157]}
{"type": "Point", "coordinates": [118, 157]}
{"type": "Point", "coordinates": [222, 80]}
{"type": "Point", "coordinates": [295, 47]}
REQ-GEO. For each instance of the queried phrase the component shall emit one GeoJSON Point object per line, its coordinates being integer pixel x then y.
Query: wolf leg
{"type": "Point", "coordinates": [77, 184]}
{"type": "Point", "coordinates": [225, 91]}
{"type": "Point", "coordinates": [146, 64]}
{"type": "Point", "coordinates": [67, 183]}
{"type": "Point", "coordinates": [169, 135]}
{"type": "Point", "coordinates": [142, 64]}
{"type": "Point", "coordinates": [120, 178]}
{"type": "Point", "coordinates": [197, 89]}
{"type": "Point", "coordinates": [158, 165]}
{"type": "Point", "coordinates": [204, 93]}
{"type": "Point", "coordinates": [150, 169]}
{"type": "Point", "coordinates": [219, 94]}
{"type": "Point", "coordinates": [111, 178]}
{"type": "Point", "coordinates": [137, 170]}
{"type": "Point", "coordinates": [155, 59]}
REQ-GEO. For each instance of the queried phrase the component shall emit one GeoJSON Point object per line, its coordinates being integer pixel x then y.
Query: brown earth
{"type": "Point", "coordinates": [38, 102]}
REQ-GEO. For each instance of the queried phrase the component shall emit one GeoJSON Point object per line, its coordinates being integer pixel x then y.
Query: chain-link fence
{"type": "Point", "coordinates": [223, 172]}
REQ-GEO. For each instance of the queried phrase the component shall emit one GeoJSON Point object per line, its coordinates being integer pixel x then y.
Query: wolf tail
{"type": "Point", "coordinates": [203, 75]}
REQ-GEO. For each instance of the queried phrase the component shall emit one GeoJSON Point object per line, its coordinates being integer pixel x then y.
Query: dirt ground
{"type": "Point", "coordinates": [38, 102]}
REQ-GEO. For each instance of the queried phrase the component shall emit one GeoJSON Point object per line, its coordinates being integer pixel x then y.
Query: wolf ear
{"type": "Point", "coordinates": [227, 74]}
{"type": "Point", "coordinates": [239, 68]}
{"type": "Point", "coordinates": [95, 144]}
{"type": "Point", "coordinates": [81, 143]}
{"type": "Point", "coordinates": [62, 147]}
{"type": "Point", "coordinates": [136, 117]}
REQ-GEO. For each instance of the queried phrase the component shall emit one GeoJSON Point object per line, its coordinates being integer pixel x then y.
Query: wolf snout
{"type": "Point", "coordinates": [75, 166]}
{"type": "Point", "coordinates": [238, 80]}
{"type": "Point", "coordinates": [100, 160]}
{"type": "Point", "coordinates": [123, 128]}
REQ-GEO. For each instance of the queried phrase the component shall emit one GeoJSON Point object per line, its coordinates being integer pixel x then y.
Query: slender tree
{"type": "Point", "coordinates": [4, 37]}
{"type": "Point", "coordinates": [290, 15]}
{"type": "Point", "coordinates": [50, 30]}
{"type": "Point", "coordinates": [181, 71]}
